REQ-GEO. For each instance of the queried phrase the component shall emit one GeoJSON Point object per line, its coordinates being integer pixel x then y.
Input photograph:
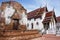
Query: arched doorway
{"type": "Point", "coordinates": [32, 25]}
{"type": "Point", "coordinates": [15, 24]}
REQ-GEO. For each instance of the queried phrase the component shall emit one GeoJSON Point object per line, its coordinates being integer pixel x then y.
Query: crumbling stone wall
{"type": "Point", "coordinates": [20, 35]}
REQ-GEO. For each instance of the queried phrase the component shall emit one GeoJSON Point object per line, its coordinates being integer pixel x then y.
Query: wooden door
{"type": "Point", "coordinates": [15, 24]}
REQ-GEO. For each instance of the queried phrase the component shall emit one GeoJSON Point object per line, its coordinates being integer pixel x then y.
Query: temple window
{"type": "Point", "coordinates": [40, 17]}
{"type": "Point", "coordinates": [8, 5]}
{"type": "Point", "coordinates": [37, 23]}
{"type": "Point", "coordinates": [34, 19]}
{"type": "Point", "coordinates": [46, 26]}
{"type": "Point", "coordinates": [15, 24]}
{"type": "Point", "coordinates": [8, 17]}
{"type": "Point", "coordinates": [27, 25]}
{"type": "Point", "coordinates": [32, 25]}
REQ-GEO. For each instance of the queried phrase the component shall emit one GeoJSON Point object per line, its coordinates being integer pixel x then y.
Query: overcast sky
{"type": "Point", "coordinates": [34, 4]}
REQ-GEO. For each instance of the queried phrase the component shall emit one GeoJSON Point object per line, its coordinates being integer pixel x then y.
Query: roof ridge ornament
{"type": "Point", "coordinates": [45, 7]}
{"type": "Point", "coordinates": [53, 10]}
{"type": "Point", "coordinates": [39, 10]}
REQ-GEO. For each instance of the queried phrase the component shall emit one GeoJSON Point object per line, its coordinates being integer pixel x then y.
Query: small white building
{"type": "Point", "coordinates": [42, 20]}
{"type": "Point", "coordinates": [58, 25]}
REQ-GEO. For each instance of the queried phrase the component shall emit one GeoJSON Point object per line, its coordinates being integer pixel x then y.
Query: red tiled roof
{"type": "Point", "coordinates": [48, 16]}
{"type": "Point", "coordinates": [58, 19]}
{"type": "Point", "coordinates": [36, 13]}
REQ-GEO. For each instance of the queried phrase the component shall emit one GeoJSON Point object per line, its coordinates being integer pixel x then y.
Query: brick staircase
{"type": "Point", "coordinates": [27, 35]}
{"type": "Point", "coordinates": [20, 35]}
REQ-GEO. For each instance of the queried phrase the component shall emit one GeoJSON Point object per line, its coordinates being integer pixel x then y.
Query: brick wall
{"type": "Point", "coordinates": [20, 35]}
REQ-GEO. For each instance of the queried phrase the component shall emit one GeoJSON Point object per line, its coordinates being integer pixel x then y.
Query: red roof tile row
{"type": "Point", "coordinates": [58, 19]}
{"type": "Point", "coordinates": [36, 13]}
{"type": "Point", "coordinates": [48, 16]}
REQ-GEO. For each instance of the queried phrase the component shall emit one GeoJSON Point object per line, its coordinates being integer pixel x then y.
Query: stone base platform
{"type": "Point", "coordinates": [19, 35]}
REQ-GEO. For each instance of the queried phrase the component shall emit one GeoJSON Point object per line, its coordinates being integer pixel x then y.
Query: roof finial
{"type": "Point", "coordinates": [40, 5]}
{"type": "Point", "coordinates": [46, 5]}
{"type": "Point", "coordinates": [53, 9]}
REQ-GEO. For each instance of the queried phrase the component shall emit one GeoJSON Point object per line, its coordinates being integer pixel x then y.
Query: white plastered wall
{"type": "Point", "coordinates": [52, 27]}
{"type": "Point", "coordinates": [34, 21]}
{"type": "Point", "coordinates": [23, 20]}
{"type": "Point", "coordinates": [8, 13]}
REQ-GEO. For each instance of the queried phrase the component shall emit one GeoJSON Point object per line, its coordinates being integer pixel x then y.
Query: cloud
{"type": "Point", "coordinates": [50, 5]}
{"type": "Point", "coordinates": [41, 2]}
{"type": "Point", "coordinates": [31, 7]}
{"type": "Point", "coordinates": [35, 5]}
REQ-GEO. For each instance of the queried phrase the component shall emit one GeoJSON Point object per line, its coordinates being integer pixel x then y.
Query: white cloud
{"type": "Point", "coordinates": [47, 3]}
{"type": "Point", "coordinates": [30, 7]}
{"type": "Point", "coordinates": [41, 3]}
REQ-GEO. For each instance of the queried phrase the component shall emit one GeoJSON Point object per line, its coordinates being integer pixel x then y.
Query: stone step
{"type": "Point", "coordinates": [13, 33]}
{"type": "Point", "coordinates": [25, 37]}
{"type": "Point", "coordinates": [20, 35]}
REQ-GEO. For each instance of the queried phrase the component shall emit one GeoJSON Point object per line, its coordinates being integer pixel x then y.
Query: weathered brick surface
{"type": "Point", "coordinates": [20, 35]}
{"type": "Point", "coordinates": [28, 35]}
{"type": "Point", "coordinates": [15, 5]}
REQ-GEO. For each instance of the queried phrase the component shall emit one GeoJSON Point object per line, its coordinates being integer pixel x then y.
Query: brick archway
{"type": "Point", "coordinates": [15, 24]}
